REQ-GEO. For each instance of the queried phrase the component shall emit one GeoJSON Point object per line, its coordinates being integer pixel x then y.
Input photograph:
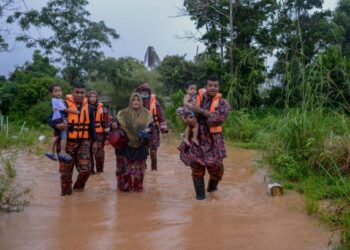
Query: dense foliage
{"type": "Point", "coordinates": [75, 40]}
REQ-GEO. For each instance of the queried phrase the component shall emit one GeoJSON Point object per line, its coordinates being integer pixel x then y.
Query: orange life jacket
{"type": "Point", "coordinates": [153, 109]}
{"type": "Point", "coordinates": [78, 122]}
{"type": "Point", "coordinates": [214, 104]}
{"type": "Point", "coordinates": [99, 119]}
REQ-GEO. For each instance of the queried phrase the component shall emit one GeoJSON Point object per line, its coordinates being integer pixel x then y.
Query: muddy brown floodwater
{"type": "Point", "coordinates": [165, 216]}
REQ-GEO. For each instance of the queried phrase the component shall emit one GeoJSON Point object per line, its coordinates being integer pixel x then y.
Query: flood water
{"type": "Point", "coordinates": [165, 216]}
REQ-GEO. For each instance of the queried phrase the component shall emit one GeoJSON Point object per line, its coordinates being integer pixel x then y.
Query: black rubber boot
{"type": "Point", "coordinates": [212, 185]}
{"type": "Point", "coordinates": [153, 154]}
{"type": "Point", "coordinates": [199, 187]}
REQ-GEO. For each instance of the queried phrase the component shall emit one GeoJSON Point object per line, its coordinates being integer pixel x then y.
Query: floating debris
{"type": "Point", "coordinates": [275, 189]}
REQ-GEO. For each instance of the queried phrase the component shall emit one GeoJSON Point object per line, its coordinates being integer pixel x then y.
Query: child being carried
{"type": "Point", "coordinates": [189, 102]}
{"type": "Point", "coordinates": [59, 115]}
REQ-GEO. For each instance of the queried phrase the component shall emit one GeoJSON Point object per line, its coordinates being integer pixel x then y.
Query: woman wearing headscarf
{"type": "Point", "coordinates": [136, 122]}
{"type": "Point", "coordinates": [101, 129]}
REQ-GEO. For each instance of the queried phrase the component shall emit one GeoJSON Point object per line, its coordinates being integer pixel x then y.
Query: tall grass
{"type": "Point", "coordinates": [307, 144]}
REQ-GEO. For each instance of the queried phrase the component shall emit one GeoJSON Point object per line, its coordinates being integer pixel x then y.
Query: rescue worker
{"type": "Point", "coordinates": [211, 111]}
{"type": "Point", "coordinates": [102, 125]}
{"type": "Point", "coordinates": [81, 130]}
{"type": "Point", "coordinates": [160, 125]}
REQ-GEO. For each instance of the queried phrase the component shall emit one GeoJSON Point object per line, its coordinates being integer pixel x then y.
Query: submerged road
{"type": "Point", "coordinates": [165, 216]}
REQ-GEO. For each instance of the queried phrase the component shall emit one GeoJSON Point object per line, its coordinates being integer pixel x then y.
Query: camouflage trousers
{"type": "Point", "coordinates": [80, 152]}
{"type": "Point", "coordinates": [98, 159]}
{"type": "Point", "coordinates": [215, 172]}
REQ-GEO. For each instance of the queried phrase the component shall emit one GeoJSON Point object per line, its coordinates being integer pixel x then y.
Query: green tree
{"type": "Point", "coordinates": [25, 95]}
{"type": "Point", "coordinates": [342, 18]}
{"type": "Point", "coordinates": [303, 31]}
{"type": "Point", "coordinates": [242, 33]}
{"type": "Point", "coordinates": [5, 6]}
{"type": "Point", "coordinates": [75, 39]}
{"type": "Point", "coordinates": [175, 71]}
{"type": "Point", "coordinates": [124, 75]}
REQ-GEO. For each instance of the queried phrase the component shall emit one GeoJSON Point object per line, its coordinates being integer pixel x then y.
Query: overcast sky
{"type": "Point", "coordinates": [140, 23]}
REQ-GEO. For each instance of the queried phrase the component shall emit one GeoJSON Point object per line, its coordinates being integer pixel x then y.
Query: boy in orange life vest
{"type": "Point", "coordinates": [81, 131]}
{"type": "Point", "coordinates": [101, 128]}
{"type": "Point", "coordinates": [211, 110]}
{"type": "Point", "coordinates": [150, 102]}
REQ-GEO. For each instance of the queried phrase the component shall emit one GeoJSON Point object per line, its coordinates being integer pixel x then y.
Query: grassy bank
{"type": "Point", "coordinates": [29, 137]}
{"type": "Point", "coordinates": [308, 151]}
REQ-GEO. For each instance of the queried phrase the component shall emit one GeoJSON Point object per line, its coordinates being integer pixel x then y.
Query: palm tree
{"type": "Point", "coordinates": [152, 59]}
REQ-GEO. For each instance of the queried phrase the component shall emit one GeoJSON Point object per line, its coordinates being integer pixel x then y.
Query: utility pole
{"type": "Point", "coordinates": [231, 36]}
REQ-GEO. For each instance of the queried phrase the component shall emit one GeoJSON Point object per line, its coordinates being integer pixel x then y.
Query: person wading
{"type": "Point", "coordinates": [101, 119]}
{"type": "Point", "coordinates": [81, 129]}
{"type": "Point", "coordinates": [211, 110]}
{"type": "Point", "coordinates": [150, 102]}
{"type": "Point", "coordinates": [136, 122]}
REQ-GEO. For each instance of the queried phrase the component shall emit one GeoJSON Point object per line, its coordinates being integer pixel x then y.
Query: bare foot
{"type": "Point", "coordinates": [195, 140]}
{"type": "Point", "coordinates": [187, 142]}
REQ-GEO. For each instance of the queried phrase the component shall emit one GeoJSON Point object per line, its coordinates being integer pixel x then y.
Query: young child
{"type": "Point", "coordinates": [189, 102]}
{"type": "Point", "coordinates": [60, 111]}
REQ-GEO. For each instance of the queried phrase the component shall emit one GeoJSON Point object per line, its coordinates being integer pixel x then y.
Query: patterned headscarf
{"type": "Point", "coordinates": [93, 92]}
{"type": "Point", "coordinates": [134, 120]}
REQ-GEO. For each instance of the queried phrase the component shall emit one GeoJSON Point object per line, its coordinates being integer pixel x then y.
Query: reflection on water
{"type": "Point", "coordinates": [165, 216]}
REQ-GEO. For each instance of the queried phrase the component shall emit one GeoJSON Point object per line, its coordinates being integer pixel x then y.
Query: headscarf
{"type": "Point", "coordinates": [143, 87]}
{"type": "Point", "coordinates": [133, 121]}
{"type": "Point", "coordinates": [93, 92]}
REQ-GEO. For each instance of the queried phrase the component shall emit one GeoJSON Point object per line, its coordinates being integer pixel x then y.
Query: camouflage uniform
{"type": "Point", "coordinates": [99, 156]}
{"type": "Point", "coordinates": [211, 151]}
{"type": "Point", "coordinates": [79, 149]}
{"type": "Point", "coordinates": [160, 125]}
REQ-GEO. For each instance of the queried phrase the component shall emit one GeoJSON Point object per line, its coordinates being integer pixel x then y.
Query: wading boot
{"type": "Point", "coordinates": [199, 187]}
{"type": "Point", "coordinates": [154, 165]}
{"type": "Point", "coordinates": [80, 182]}
{"type": "Point", "coordinates": [153, 154]}
{"type": "Point", "coordinates": [212, 185]}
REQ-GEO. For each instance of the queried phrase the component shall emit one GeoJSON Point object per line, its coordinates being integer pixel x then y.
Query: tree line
{"type": "Point", "coordinates": [310, 48]}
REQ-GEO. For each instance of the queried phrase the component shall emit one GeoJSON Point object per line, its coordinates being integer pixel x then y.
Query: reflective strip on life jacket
{"type": "Point", "coordinates": [214, 104]}
{"type": "Point", "coordinates": [153, 109]}
{"type": "Point", "coordinates": [79, 123]}
{"type": "Point", "coordinates": [99, 119]}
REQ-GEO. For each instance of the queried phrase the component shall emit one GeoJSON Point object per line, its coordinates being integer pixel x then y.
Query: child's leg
{"type": "Point", "coordinates": [187, 135]}
{"type": "Point", "coordinates": [195, 131]}
{"type": "Point", "coordinates": [63, 136]}
{"type": "Point", "coordinates": [53, 143]}
{"type": "Point", "coordinates": [63, 156]}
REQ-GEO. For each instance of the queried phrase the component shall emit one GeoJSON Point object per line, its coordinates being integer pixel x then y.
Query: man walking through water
{"type": "Point", "coordinates": [81, 129]}
{"type": "Point", "coordinates": [211, 111]}
{"type": "Point", "coordinates": [150, 102]}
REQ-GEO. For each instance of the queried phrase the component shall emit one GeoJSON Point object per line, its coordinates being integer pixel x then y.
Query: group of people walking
{"type": "Point", "coordinates": [82, 125]}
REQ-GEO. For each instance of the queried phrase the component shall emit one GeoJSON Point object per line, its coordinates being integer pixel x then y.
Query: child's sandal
{"type": "Point", "coordinates": [51, 156]}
